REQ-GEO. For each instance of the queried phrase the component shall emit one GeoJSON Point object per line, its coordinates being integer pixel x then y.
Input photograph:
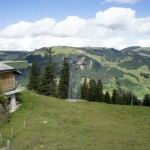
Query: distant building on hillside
{"type": "Point", "coordinates": [8, 84]}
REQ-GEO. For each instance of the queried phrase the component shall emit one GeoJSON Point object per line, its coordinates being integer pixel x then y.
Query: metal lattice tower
{"type": "Point", "coordinates": [74, 92]}
{"type": "Point", "coordinates": [78, 84]}
{"type": "Point", "coordinates": [70, 90]}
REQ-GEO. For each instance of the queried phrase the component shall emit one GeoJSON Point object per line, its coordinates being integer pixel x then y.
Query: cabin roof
{"type": "Point", "coordinates": [7, 68]}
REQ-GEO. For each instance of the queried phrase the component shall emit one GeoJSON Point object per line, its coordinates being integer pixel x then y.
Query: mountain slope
{"type": "Point", "coordinates": [57, 124]}
{"type": "Point", "coordinates": [128, 69]}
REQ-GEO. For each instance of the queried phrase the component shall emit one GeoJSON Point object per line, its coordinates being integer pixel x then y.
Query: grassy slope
{"type": "Point", "coordinates": [81, 125]}
{"type": "Point", "coordinates": [139, 89]}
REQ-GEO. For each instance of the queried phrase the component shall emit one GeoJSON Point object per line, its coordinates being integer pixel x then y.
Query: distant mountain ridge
{"type": "Point", "coordinates": [127, 70]}
{"type": "Point", "coordinates": [12, 55]}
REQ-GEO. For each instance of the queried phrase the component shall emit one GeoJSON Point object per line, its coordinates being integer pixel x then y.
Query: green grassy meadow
{"type": "Point", "coordinates": [55, 124]}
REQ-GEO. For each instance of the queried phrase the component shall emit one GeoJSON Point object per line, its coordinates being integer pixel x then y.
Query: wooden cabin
{"type": "Point", "coordinates": [8, 84]}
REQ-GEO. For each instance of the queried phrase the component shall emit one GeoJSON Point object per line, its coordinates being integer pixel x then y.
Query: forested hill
{"type": "Point", "coordinates": [128, 69]}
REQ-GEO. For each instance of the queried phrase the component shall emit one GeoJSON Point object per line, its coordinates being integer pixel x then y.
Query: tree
{"type": "Point", "coordinates": [146, 100]}
{"type": "Point", "coordinates": [4, 111]}
{"type": "Point", "coordinates": [99, 91]}
{"type": "Point", "coordinates": [135, 100]}
{"type": "Point", "coordinates": [92, 90]}
{"type": "Point", "coordinates": [124, 98]}
{"type": "Point", "coordinates": [49, 55]}
{"type": "Point", "coordinates": [64, 80]}
{"type": "Point", "coordinates": [115, 97]}
{"type": "Point", "coordinates": [107, 98]}
{"type": "Point", "coordinates": [119, 100]}
{"type": "Point", "coordinates": [128, 98]}
{"type": "Point", "coordinates": [46, 81]}
{"type": "Point", "coordinates": [85, 90]}
{"type": "Point", "coordinates": [53, 88]}
{"type": "Point", "coordinates": [34, 77]}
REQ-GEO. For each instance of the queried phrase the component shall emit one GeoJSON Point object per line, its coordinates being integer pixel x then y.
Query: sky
{"type": "Point", "coordinates": [31, 24]}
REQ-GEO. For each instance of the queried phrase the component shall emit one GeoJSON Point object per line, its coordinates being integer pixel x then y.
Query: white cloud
{"type": "Point", "coordinates": [142, 25]}
{"type": "Point", "coordinates": [25, 29]}
{"type": "Point", "coordinates": [144, 43]}
{"type": "Point", "coordinates": [109, 28]}
{"type": "Point", "coordinates": [123, 1]}
{"type": "Point", "coordinates": [115, 18]}
{"type": "Point", "coordinates": [69, 27]}
{"type": "Point", "coordinates": [117, 42]}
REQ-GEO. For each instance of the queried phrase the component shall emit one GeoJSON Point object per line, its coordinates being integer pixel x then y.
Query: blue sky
{"type": "Point", "coordinates": [13, 11]}
{"type": "Point", "coordinates": [21, 17]}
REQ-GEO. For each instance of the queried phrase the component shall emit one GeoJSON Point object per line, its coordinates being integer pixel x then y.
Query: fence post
{"type": "Point", "coordinates": [24, 125]}
{"type": "Point", "coordinates": [12, 132]}
{"type": "Point", "coordinates": [8, 145]}
{"type": "Point", "coordinates": [1, 139]}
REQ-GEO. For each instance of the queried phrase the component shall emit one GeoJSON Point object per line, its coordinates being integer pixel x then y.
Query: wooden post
{"type": "Point", "coordinates": [12, 132]}
{"type": "Point", "coordinates": [1, 139]}
{"type": "Point", "coordinates": [8, 145]}
{"type": "Point", "coordinates": [132, 100]}
{"type": "Point", "coordinates": [24, 125]}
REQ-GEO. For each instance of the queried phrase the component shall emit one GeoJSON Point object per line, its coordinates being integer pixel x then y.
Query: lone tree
{"type": "Point", "coordinates": [34, 77]}
{"type": "Point", "coordinates": [64, 80]}
{"type": "Point", "coordinates": [85, 90]}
